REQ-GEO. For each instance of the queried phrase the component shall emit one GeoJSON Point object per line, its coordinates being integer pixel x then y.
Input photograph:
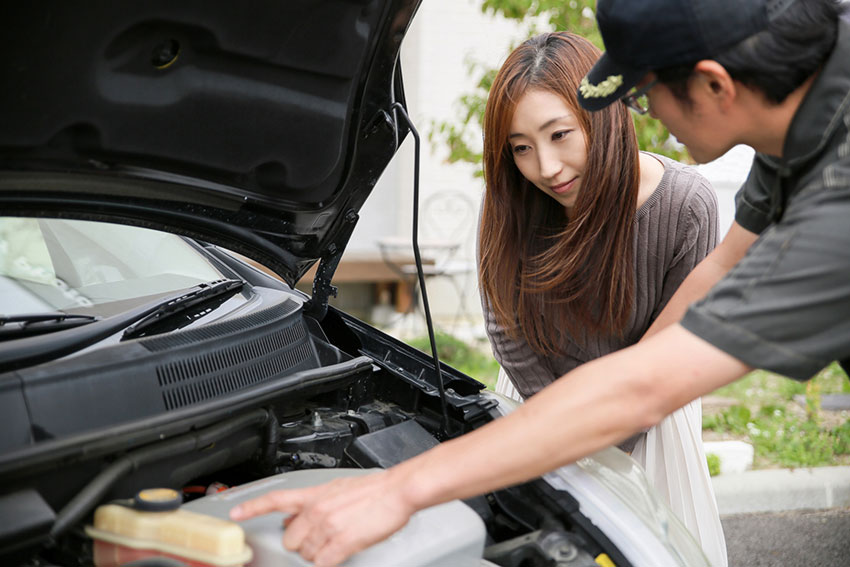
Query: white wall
{"type": "Point", "coordinates": [444, 34]}
{"type": "Point", "coordinates": [726, 174]}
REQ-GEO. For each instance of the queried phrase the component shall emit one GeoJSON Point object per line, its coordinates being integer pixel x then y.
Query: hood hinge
{"type": "Point", "coordinates": [317, 306]}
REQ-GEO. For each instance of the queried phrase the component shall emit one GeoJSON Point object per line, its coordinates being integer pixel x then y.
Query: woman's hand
{"type": "Point", "coordinates": [330, 522]}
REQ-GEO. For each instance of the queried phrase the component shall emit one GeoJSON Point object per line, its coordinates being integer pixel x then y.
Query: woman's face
{"type": "Point", "coordinates": [548, 145]}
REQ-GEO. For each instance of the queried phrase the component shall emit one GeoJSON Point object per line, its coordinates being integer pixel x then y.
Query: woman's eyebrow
{"type": "Point", "coordinates": [552, 121]}
{"type": "Point", "coordinates": [542, 126]}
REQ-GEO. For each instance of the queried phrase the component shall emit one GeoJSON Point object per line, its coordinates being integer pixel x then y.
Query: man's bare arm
{"type": "Point", "coordinates": [595, 406]}
{"type": "Point", "coordinates": [703, 277]}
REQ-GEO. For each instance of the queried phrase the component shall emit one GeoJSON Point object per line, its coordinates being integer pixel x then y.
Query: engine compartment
{"type": "Point", "coordinates": [372, 402]}
{"type": "Point", "coordinates": [526, 526]}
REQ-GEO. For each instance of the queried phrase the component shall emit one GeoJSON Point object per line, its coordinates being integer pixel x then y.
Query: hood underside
{"type": "Point", "coordinates": [261, 127]}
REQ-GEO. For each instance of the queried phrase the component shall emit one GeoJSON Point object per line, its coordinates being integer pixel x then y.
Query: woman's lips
{"type": "Point", "coordinates": [563, 187]}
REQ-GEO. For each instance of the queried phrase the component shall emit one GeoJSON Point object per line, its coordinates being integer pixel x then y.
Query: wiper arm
{"type": "Point", "coordinates": [35, 350]}
{"type": "Point", "coordinates": [28, 324]}
{"type": "Point", "coordinates": [199, 294]}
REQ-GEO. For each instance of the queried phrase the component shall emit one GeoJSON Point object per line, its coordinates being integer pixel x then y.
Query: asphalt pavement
{"type": "Point", "coordinates": [786, 517]}
{"type": "Point", "coordinates": [797, 538]}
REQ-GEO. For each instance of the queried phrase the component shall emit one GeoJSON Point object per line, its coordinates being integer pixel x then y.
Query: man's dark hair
{"type": "Point", "coordinates": [777, 60]}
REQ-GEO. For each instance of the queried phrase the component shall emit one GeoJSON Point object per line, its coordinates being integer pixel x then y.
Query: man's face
{"type": "Point", "coordinates": [699, 125]}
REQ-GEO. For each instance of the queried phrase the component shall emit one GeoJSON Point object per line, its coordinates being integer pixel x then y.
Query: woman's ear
{"type": "Point", "coordinates": [716, 83]}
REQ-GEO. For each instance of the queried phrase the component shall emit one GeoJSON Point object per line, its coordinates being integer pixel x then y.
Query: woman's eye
{"type": "Point", "coordinates": [519, 150]}
{"type": "Point", "coordinates": [560, 134]}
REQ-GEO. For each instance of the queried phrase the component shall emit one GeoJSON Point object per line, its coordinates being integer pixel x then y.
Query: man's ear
{"type": "Point", "coordinates": [717, 82]}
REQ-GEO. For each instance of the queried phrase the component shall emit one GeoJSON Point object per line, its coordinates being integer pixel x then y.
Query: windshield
{"type": "Point", "coordinates": [91, 267]}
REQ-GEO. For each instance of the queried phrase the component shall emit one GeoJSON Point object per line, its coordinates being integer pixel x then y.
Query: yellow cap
{"type": "Point", "coordinates": [158, 499]}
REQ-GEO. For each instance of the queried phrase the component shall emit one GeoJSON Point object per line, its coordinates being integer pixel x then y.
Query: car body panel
{"type": "Point", "coordinates": [614, 493]}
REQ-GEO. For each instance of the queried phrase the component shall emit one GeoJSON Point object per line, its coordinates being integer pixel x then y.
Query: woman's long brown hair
{"type": "Point", "coordinates": [545, 276]}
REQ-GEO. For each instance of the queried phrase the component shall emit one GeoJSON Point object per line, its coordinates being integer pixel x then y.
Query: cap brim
{"type": "Point", "coordinates": [607, 82]}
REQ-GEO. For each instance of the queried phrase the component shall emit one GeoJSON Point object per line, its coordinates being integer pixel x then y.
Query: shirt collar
{"type": "Point", "coordinates": [823, 108]}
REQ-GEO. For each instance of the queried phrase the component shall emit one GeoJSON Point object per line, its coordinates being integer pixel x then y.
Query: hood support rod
{"type": "Point", "coordinates": [398, 107]}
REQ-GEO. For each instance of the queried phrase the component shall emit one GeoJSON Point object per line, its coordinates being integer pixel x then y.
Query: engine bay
{"type": "Point", "coordinates": [369, 402]}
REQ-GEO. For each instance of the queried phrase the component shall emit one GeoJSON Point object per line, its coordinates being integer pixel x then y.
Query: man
{"type": "Point", "coordinates": [773, 74]}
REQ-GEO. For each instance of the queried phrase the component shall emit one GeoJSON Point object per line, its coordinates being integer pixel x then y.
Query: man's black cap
{"type": "Point", "coordinates": [643, 35]}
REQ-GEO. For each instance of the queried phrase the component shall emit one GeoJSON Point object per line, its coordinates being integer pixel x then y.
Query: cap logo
{"type": "Point", "coordinates": [605, 88]}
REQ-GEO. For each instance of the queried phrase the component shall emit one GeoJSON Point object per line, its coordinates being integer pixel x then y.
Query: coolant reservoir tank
{"type": "Point", "coordinates": [156, 526]}
{"type": "Point", "coordinates": [448, 534]}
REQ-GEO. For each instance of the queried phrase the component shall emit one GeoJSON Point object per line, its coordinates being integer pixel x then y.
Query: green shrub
{"type": "Point", "coordinates": [768, 417]}
{"type": "Point", "coordinates": [841, 436]}
{"type": "Point", "coordinates": [792, 442]}
{"type": "Point", "coordinates": [782, 438]}
{"type": "Point", "coordinates": [713, 464]}
{"type": "Point", "coordinates": [731, 420]}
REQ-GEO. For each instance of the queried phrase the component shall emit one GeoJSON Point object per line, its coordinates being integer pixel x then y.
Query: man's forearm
{"type": "Point", "coordinates": [595, 406]}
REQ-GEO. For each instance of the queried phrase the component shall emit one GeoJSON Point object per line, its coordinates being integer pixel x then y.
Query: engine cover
{"type": "Point", "coordinates": [448, 534]}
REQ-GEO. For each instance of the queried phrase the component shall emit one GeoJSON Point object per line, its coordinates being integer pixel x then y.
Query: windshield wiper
{"type": "Point", "coordinates": [35, 350]}
{"type": "Point", "coordinates": [199, 294]}
{"type": "Point", "coordinates": [28, 324]}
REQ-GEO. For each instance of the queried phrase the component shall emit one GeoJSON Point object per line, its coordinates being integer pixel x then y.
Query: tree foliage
{"type": "Point", "coordinates": [462, 136]}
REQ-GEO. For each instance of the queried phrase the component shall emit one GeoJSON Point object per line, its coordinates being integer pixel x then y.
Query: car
{"type": "Point", "coordinates": [168, 172]}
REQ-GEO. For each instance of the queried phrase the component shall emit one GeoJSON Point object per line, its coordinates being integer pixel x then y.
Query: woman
{"type": "Point", "coordinates": [582, 241]}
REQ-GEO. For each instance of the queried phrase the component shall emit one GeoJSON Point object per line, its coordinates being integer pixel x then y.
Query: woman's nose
{"type": "Point", "coordinates": [550, 163]}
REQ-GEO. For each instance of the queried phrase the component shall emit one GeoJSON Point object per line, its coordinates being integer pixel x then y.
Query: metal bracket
{"type": "Point", "coordinates": [317, 306]}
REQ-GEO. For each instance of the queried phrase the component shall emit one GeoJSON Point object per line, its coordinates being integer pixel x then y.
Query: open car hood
{"type": "Point", "coordinates": [261, 127]}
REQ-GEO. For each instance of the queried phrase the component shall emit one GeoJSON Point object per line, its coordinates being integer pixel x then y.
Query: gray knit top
{"type": "Point", "coordinates": [676, 227]}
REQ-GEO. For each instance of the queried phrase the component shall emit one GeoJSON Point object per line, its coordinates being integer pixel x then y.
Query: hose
{"type": "Point", "coordinates": [89, 496]}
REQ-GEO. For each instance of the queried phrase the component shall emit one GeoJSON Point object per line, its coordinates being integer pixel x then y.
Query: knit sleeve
{"type": "Point", "coordinates": [698, 237]}
{"type": "Point", "coordinates": [529, 372]}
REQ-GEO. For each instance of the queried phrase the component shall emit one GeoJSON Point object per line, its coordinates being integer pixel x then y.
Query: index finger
{"type": "Point", "coordinates": [289, 501]}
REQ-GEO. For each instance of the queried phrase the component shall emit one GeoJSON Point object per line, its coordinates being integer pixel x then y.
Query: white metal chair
{"type": "Point", "coordinates": [447, 220]}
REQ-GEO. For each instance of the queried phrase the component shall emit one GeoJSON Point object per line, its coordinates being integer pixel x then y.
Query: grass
{"type": "Point", "coordinates": [713, 464]}
{"type": "Point", "coordinates": [762, 411]}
